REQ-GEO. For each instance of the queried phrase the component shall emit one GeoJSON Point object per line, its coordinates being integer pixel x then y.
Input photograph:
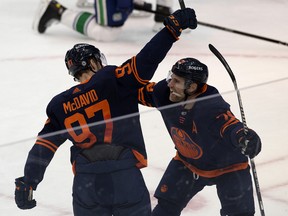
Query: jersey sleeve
{"type": "Point", "coordinates": [137, 71]}
{"type": "Point", "coordinates": [42, 152]}
{"type": "Point", "coordinates": [145, 95]}
{"type": "Point", "coordinates": [148, 59]}
{"type": "Point", "coordinates": [224, 122]}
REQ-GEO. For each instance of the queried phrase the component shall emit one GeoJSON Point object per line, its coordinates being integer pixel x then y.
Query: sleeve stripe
{"type": "Point", "coordinates": [47, 144]}
{"type": "Point", "coordinates": [135, 72]}
{"type": "Point", "coordinates": [229, 119]}
{"type": "Point", "coordinates": [229, 123]}
{"type": "Point", "coordinates": [141, 96]}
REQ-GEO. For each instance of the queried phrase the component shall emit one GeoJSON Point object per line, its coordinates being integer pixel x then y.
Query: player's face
{"type": "Point", "coordinates": [177, 87]}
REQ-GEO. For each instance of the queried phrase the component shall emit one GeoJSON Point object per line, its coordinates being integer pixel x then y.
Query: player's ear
{"type": "Point", "coordinates": [192, 88]}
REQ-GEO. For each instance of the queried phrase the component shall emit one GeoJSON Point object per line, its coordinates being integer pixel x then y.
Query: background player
{"type": "Point", "coordinates": [104, 151]}
{"type": "Point", "coordinates": [103, 25]}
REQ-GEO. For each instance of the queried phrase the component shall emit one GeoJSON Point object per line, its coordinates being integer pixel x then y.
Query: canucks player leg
{"type": "Point", "coordinates": [103, 25]}
{"type": "Point", "coordinates": [48, 12]}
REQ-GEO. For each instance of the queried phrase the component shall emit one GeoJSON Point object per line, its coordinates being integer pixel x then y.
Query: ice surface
{"type": "Point", "coordinates": [33, 71]}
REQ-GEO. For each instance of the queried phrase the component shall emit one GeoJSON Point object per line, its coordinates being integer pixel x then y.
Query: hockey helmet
{"type": "Point", "coordinates": [191, 69]}
{"type": "Point", "coordinates": [77, 59]}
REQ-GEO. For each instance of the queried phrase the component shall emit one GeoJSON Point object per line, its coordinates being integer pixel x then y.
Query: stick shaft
{"type": "Point", "coordinates": [243, 33]}
{"type": "Point", "coordinates": [182, 4]}
{"type": "Point", "coordinates": [252, 163]}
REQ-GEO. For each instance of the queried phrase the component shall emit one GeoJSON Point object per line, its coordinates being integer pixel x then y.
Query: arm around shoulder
{"type": "Point", "coordinates": [155, 50]}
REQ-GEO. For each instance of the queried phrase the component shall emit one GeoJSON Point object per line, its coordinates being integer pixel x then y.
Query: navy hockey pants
{"type": "Point", "coordinates": [118, 193]}
{"type": "Point", "coordinates": [178, 186]}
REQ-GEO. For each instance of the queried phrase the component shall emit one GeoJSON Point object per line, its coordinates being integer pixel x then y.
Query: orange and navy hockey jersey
{"type": "Point", "coordinates": [201, 135]}
{"type": "Point", "coordinates": [83, 113]}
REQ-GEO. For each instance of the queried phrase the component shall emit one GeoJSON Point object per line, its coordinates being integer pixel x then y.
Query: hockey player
{"type": "Point", "coordinates": [104, 25]}
{"type": "Point", "coordinates": [210, 143]}
{"type": "Point", "coordinates": [104, 151]}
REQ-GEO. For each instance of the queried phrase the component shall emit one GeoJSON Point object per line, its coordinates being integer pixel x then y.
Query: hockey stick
{"type": "Point", "coordinates": [253, 166]}
{"type": "Point", "coordinates": [244, 33]}
{"type": "Point", "coordinates": [182, 4]}
{"type": "Point", "coordinates": [143, 8]}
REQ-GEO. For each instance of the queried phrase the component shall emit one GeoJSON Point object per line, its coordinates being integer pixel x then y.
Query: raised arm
{"type": "Point", "coordinates": [143, 66]}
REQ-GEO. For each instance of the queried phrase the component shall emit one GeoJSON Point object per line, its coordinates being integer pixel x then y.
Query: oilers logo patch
{"type": "Point", "coordinates": [185, 145]}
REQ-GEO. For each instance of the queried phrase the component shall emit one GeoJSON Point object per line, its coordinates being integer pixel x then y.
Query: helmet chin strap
{"type": "Point", "coordinates": [189, 105]}
{"type": "Point", "coordinates": [97, 67]}
{"type": "Point", "coordinates": [91, 69]}
{"type": "Point", "coordinates": [189, 94]}
{"type": "Point", "coordinates": [186, 94]}
{"type": "Point", "coordinates": [187, 86]}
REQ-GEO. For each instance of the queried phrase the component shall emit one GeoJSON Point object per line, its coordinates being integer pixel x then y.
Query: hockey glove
{"type": "Point", "coordinates": [249, 143]}
{"type": "Point", "coordinates": [24, 194]}
{"type": "Point", "coordinates": [179, 20]}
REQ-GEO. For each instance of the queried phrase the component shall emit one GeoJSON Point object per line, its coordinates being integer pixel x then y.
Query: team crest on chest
{"type": "Point", "coordinates": [185, 145]}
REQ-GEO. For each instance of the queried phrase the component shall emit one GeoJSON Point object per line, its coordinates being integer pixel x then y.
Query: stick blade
{"type": "Point", "coordinates": [222, 60]}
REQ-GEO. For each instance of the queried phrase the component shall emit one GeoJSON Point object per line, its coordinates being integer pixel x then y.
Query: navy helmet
{"type": "Point", "coordinates": [78, 58]}
{"type": "Point", "coordinates": [191, 69]}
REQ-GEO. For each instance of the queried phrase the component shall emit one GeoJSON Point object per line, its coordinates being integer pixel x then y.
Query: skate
{"type": "Point", "coordinates": [48, 13]}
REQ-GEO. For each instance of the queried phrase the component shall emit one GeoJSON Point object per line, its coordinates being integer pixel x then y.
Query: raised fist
{"type": "Point", "coordinates": [179, 20]}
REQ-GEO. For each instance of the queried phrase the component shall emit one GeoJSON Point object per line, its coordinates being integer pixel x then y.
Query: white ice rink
{"type": "Point", "coordinates": [33, 71]}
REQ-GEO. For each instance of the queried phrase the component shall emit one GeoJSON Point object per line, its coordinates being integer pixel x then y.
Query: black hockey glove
{"type": "Point", "coordinates": [179, 20]}
{"type": "Point", "coordinates": [249, 143]}
{"type": "Point", "coordinates": [24, 194]}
